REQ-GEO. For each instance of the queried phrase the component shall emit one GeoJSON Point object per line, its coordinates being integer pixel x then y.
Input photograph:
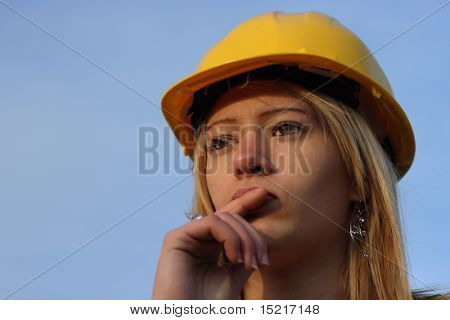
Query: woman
{"type": "Point", "coordinates": [297, 145]}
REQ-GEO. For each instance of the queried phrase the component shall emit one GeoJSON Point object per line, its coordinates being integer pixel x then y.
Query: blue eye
{"type": "Point", "coordinates": [286, 128]}
{"type": "Point", "coordinates": [219, 142]}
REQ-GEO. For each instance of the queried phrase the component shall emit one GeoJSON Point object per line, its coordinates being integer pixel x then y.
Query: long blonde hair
{"type": "Point", "coordinates": [382, 274]}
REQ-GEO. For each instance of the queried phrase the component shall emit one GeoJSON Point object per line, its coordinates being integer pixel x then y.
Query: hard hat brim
{"type": "Point", "coordinates": [378, 107]}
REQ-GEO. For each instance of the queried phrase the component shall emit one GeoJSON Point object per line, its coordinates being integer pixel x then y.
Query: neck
{"type": "Point", "coordinates": [320, 278]}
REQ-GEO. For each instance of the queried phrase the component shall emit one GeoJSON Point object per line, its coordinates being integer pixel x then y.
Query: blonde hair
{"type": "Point", "coordinates": [381, 275]}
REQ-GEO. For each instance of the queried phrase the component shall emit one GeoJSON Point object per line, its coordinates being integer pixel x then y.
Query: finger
{"type": "Point", "coordinates": [248, 243]}
{"type": "Point", "coordinates": [214, 227]}
{"type": "Point", "coordinates": [261, 242]}
{"type": "Point", "coordinates": [248, 201]}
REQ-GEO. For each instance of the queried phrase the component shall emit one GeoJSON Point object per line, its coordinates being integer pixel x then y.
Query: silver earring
{"type": "Point", "coordinates": [193, 215]}
{"type": "Point", "coordinates": [358, 230]}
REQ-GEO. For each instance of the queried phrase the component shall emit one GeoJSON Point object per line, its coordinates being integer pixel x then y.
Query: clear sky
{"type": "Point", "coordinates": [77, 80]}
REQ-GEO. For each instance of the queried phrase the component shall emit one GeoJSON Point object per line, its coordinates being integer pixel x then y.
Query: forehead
{"type": "Point", "coordinates": [256, 98]}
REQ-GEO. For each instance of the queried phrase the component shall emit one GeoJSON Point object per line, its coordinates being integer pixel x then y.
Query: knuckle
{"type": "Point", "coordinates": [215, 219]}
{"type": "Point", "coordinates": [221, 213]}
{"type": "Point", "coordinates": [170, 236]}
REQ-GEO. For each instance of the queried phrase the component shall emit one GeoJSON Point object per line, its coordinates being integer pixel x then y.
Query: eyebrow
{"type": "Point", "coordinates": [261, 115]}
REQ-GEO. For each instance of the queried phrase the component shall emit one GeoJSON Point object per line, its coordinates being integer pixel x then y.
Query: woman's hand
{"type": "Point", "coordinates": [187, 267]}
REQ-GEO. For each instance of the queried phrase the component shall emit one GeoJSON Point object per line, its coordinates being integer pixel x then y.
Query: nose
{"type": "Point", "coordinates": [252, 156]}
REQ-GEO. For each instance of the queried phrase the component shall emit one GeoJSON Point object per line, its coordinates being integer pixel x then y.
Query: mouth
{"type": "Point", "coordinates": [269, 205]}
{"type": "Point", "coordinates": [242, 191]}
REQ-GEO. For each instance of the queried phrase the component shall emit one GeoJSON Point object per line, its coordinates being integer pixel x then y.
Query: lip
{"type": "Point", "coordinates": [240, 192]}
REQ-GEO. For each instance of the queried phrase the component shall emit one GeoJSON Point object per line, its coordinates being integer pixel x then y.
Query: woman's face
{"type": "Point", "coordinates": [249, 132]}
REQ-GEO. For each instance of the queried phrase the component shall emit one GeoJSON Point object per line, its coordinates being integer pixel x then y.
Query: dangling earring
{"type": "Point", "coordinates": [358, 230]}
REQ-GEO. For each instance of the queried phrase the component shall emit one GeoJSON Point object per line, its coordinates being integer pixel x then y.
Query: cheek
{"type": "Point", "coordinates": [313, 163]}
{"type": "Point", "coordinates": [295, 157]}
{"type": "Point", "coordinates": [212, 185]}
{"type": "Point", "coordinates": [326, 184]}
{"type": "Point", "coordinates": [219, 177]}
{"type": "Point", "coordinates": [289, 160]}
{"type": "Point", "coordinates": [315, 203]}
{"type": "Point", "coordinates": [316, 179]}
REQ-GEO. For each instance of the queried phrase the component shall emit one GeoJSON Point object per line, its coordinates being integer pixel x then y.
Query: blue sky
{"type": "Point", "coordinates": [69, 120]}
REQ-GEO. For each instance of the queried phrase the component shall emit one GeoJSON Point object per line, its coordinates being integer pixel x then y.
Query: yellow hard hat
{"type": "Point", "coordinates": [313, 42]}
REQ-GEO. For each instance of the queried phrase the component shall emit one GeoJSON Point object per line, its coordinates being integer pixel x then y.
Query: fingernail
{"type": "Point", "coordinates": [239, 258]}
{"type": "Point", "coordinates": [254, 263]}
{"type": "Point", "coordinates": [265, 259]}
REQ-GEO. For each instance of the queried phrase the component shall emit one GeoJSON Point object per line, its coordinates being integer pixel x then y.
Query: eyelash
{"type": "Point", "coordinates": [221, 138]}
{"type": "Point", "coordinates": [298, 125]}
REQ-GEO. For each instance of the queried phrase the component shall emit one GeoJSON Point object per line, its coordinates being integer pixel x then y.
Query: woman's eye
{"type": "Point", "coordinates": [220, 142]}
{"type": "Point", "coordinates": [286, 128]}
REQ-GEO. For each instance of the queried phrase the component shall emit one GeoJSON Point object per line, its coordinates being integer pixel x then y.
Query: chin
{"type": "Point", "coordinates": [271, 225]}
